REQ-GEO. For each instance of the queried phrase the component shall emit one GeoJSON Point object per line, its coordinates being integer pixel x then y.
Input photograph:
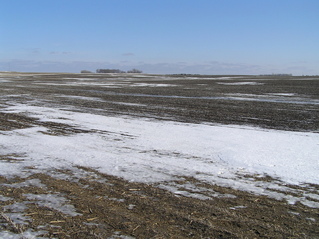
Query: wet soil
{"type": "Point", "coordinates": [110, 207]}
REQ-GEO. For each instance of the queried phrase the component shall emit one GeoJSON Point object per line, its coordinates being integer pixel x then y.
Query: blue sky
{"type": "Point", "coordinates": [161, 36]}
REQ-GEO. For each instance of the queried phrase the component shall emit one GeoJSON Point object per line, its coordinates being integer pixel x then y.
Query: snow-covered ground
{"type": "Point", "coordinates": [240, 83]}
{"type": "Point", "coordinates": [160, 152]}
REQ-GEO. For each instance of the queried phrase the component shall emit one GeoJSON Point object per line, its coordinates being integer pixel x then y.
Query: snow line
{"type": "Point", "coordinates": [146, 150]}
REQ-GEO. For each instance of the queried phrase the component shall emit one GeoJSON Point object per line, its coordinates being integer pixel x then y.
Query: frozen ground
{"type": "Point", "coordinates": [281, 164]}
{"type": "Point", "coordinates": [154, 151]}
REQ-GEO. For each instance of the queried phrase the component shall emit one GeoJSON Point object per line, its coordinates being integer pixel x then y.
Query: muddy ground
{"type": "Point", "coordinates": [109, 207]}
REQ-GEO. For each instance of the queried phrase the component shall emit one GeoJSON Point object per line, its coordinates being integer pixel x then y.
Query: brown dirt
{"type": "Point", "coordinates": [144, 211]}
{"type": "Point", "coordinates": [110, 207]}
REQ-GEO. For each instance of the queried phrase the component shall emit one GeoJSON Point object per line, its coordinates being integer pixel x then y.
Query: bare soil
{"type": "Point", "coordinates": [110, 207]}
{"type": "Point", "coordinates": [144, 211]}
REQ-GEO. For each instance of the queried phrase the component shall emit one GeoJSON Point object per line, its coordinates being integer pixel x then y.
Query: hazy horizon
{"type": "Point", "coordinates": [162, 37]}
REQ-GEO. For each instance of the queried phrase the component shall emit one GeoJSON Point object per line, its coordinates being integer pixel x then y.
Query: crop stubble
{"type": "Point", "coordinates": [118, 208]}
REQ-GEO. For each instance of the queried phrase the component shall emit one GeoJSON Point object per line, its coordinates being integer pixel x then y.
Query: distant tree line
{"type": "Point", "coordinates": [134, 71]}
{"type": "Point", "coordinates": [109, 71]}
{"type": "Point", "coordinates": [276, 75]}
{"type": "Point", "coordinates": [117, 71]}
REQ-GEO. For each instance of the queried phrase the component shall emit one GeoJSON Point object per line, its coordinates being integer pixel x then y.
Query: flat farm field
{"type": "Point", "coordinates": [158, 156]}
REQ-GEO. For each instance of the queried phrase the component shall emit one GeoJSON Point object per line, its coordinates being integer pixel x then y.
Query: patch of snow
{"type": "Point", "coordinates": [81, 79]}
{"type": "Point", "coordinates": [17, 217]}
{"type": "Point", "coordinates": [311, 219]}
{"type": "Point", "coordinates": [28, 234]}
{"type": "Point", "coordinates": [311, 195]}
{"type": "Point", "coordinates": [15, 207]}
{"type": "Point", "coordinates": [237, 207]}
{"type": "Point", "coordinates": [15, 212]}
{"type": "Point", "coordinates": [295, 213]}
{"type": "Point", "coordinates": [81, 97]}
{"type": "Point", "coordinates": [137, 75]}
{"type": "Point", "coordinates": [4, 199]}
{"type": "Point", "coordinates": [131, 206]}
{"type": "Point", "coordinates": [118, 235]}
{"type": "Point", "coordinates": [240, 83]}
{"type": "Point", "coordinates": [48, 83]}
{"type": "Point", "coordinates": [274, 98]}
{"type": "Point", "coordinates": [308, 203]}
{"type": "Point", "coordinates": [115, 199]}
{"type": "Point", "coordinates": [27, 183]}
{"type": "Point", "coordinates": [152, 151]}
{"type": "Point", "coordinates": [53, 201]}
{"type": "Point", "coordinates": [207, 78]}
{"type": "Point", "coordinates": [151, 85]}
{"type": "Point", "coordinates": [128, 104]}
{"type": "Point", "coordinates": [193, 195]}
{"type": "Point", "coordinates": [236, 96]}
{"type": "Point", "coordinates": [282, 94]}
{"type": "Point", "coordinates": [194, 191]}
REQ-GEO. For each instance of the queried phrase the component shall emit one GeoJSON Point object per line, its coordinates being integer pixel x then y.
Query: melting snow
{"type": "Point", "coordinates": [153, 151]}
{"type": "Point", "coordinates": [240, 83]}
{"type": "Point", "coordinates": [53, 201]}
{"type": "Point", "coordinates": [27, 183]}
{"type": "Point", "coordinates": [3, 198]}
{"type": "Point", "coordinates": [29, 234]}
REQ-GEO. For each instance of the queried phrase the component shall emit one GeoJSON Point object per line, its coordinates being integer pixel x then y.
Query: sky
{"type": "Point", "coordinates": [161, 36]}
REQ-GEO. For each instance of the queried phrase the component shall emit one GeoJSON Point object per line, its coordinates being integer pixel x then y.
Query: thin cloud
{"type": "Point", "coordinates": [60, 53]}
{"type": "Point", "coordinates": [35, 50]}
{"type": "Point", "coordinates": [128, 54]}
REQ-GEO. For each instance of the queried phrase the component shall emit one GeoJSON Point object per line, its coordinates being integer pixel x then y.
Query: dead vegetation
{"type": "Point", "coordinates": [95, 205]}
{"type": "Point", "coordinates": [105, 205]}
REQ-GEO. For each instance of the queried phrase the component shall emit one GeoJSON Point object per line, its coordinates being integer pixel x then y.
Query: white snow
{"type": "Point", "coordinates": [282, 94]}
{"type": "Point", "coordinates": [129, 104]}
{"type": "Point", "coordinates": [53, 201]}
{"type": "Point", "coordinates": [288, 98]}
{"type": "Point", "coordinates": [151, 85]}
{"type": "Point", "coordinates": [4, 80]}
{"type": "Point", "coordinates": [3, 198]}
{"type": "Point", "coordinates": [29, 234]}
{"type": "Point", "coordinates": [152, 151]}
{"type": "Point", "coordinates": [27, 183]}
{"type": "Point", "coordinates": [118, 235]}
{"type": "Point", "coordinates": [240, 83]}
{"type": "Point", "coordinates": [107, 84]}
